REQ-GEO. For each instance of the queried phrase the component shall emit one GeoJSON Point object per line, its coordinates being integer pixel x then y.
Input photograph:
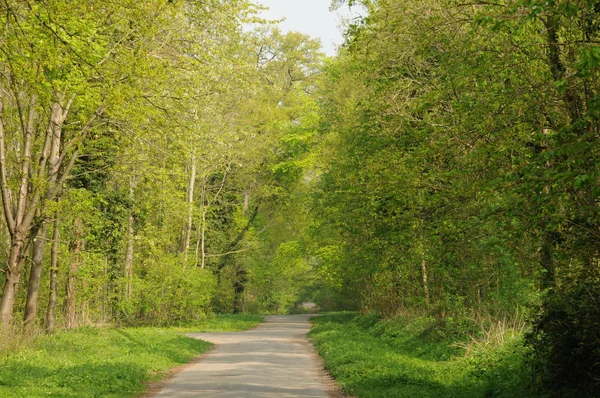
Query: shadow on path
{"type": "Point", "coordinates": [274, 359]}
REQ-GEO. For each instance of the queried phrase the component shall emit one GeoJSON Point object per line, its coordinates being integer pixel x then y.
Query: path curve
{"type": "Point", "coordinates": [274, 359]}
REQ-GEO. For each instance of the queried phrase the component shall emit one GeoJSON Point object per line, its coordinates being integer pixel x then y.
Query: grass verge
{"type": "Point", "coordinates": [105, 362]}
{"type": "Point", "coordinates": [218, 323]}
{"type": "Point", "coordinates": [372, 358]}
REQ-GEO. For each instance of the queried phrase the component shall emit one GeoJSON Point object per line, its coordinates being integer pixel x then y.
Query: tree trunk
{"type": "Point", "coordinates": [8, 297]}
{"type": "Point", "coordinates": [239, 287]}
{"type": "Point", "coordinates": [14, 264]}
{"type": "Point", "coordinates": [30, 200]}
{"type": "Point", "coordinates": [422, 251]}
{"type": "Point", "coordinates": [200, 245]}
{"type": "Point", "coordinates": [76, 246]}
{"type": "Point", "coordinates": [129, 257]}
{"type": "Point", "coordinates": [129, 249]}
{"type": "Point", "coordinates": [202, 241]}
{"type": "Point", "coordinates": [35, 276]}
{"type": "Point", "coordinates": [190, 215]}
{"type": "Point", "coordinates": [246, 202]}
{"type": "Point", "coordinates": [18, 215]}
{"type": "Point", "coordinates": [53, 138]}
{"type": "Point", "coordinates": [51, 311]}
{"type": "Point", "coordinates": [197, 251]}
{"type": "Point", "coordinates": [425, 282]}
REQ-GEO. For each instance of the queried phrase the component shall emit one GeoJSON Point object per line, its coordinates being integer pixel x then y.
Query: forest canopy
{"type": "Point", "coordinates": [168, 159]}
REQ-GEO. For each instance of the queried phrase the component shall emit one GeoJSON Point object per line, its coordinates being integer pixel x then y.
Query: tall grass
{"type": "Point", "coordinates": [407, 357]}
{"type": "Point", "coordinates": [493, 333]}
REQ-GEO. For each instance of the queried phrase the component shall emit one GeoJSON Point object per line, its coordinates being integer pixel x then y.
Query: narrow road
{"type": "Point", "coordinates": [273, 360]}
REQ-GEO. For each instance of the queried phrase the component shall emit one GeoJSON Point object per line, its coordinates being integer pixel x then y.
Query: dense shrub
{"type": "Point", "coordinates": [566, 339]}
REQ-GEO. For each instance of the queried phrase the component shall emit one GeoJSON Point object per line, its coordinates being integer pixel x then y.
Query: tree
{"type": "Point", "coordinates": [459, 136]}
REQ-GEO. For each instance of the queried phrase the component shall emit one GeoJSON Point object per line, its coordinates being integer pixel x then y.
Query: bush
{"type": "Point", "coordinates": [566, 339]}
{"type": "Point", "coordinates": [168, 293]}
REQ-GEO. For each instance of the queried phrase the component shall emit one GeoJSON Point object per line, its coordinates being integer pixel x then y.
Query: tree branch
{"type": "Point", "coordinates": [6, 200]}
{"type": "Point", "coordinates": [227, 253]}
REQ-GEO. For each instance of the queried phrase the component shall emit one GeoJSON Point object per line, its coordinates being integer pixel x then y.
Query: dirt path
{"type": "Point", "coordinates": [273, 360]}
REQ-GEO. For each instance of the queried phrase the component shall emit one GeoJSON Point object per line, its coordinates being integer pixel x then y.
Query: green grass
{"type": "Point", "coordinates": [105, 362]}
{"type": "Point", "coordinates": [219, 323]}
{"type": "Point", "coordinates": [406, 358]}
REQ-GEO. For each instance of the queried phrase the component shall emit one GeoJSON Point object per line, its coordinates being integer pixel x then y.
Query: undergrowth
{"type": "Point", "coordinates": [405, 357]}
{"type": "Point", "coordinates": [103, 361]}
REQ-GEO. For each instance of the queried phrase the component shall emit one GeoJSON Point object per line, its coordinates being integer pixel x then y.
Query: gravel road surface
{"type": "Point", "coordinates": [274, 359]}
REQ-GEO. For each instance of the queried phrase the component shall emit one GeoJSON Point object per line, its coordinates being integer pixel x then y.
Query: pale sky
{"type": "Point", "coordinates": [311, 17]}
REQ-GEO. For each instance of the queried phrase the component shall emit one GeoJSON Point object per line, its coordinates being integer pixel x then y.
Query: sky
{"type": "Point", "coordinates": [310, 17]}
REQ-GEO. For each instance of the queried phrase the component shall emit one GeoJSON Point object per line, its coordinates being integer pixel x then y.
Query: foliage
{"type": "Point", "coordinates": [163, 160]}
{"type": "Point", "coordinates": [459, 174]}
{"type": "Point", "coordinates": [171, 128]}
{"type": "Point", "coordinates": [277, 271]}
{"type": "Point", "coordinates": [566, 338]}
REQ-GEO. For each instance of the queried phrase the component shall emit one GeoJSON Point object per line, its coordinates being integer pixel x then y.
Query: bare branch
{"type": "Point", "coordinates": [227, 253]}
{"type": "Point", "coordinates": [225, 172]}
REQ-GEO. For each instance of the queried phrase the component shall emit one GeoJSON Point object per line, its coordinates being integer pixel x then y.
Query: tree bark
{"type": "Point", "coordinates": [30, 200]}
{"type": "Point", "coordinates": [14, 265]}
{"type": "Point", "coordinates": [239, 287]}
{"type": "Point", "coordinates": [129, 257]}
{"type": "Point", "coordinates": [246, 202]}
{"type": "Point", "coordinates": [52, 149]}
{"type": "Point", "coordinates": [190, 200]}
{"type": "Point", "coordinates": [18, 218]}
{"type": "Point", "coordinates": [51, 311]}
{"type": "Point", "coordinates": [76, 247]}
{"type": "Point", "coordinates": [129, 248]}
{"type": "Point", "coordinates": [200, 246]}
{"type": "Point", "coordinates": [422, 251]}
{"type": "Point", "coordinates": [425, 282]}
{"type": "Point", "coordinates": [35, 276]}
{"type": "Point", "coordinates": [202, 241]}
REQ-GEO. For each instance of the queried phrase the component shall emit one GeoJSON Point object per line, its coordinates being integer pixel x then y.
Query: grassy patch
{"type": "Point", "coordinates": [401, 358]}
{"type": "Point", "coordinates": [219, 323]}
{"type": "Point", "coordinates": [105, 362]}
